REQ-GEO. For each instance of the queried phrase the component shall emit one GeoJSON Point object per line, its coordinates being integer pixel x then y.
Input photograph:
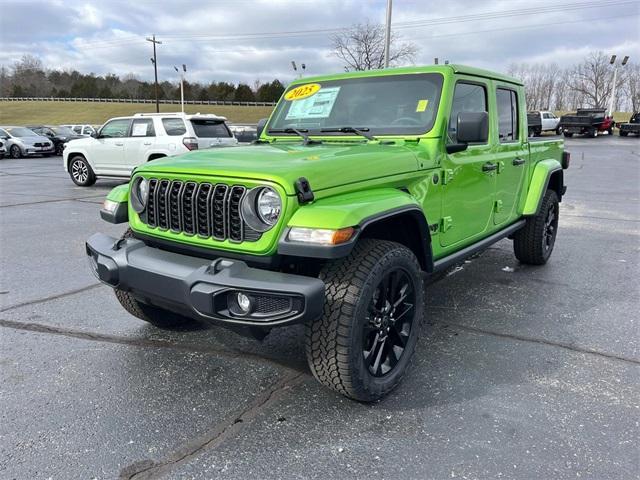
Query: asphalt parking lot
{"type": "Point", "coordinates": [521, 372]}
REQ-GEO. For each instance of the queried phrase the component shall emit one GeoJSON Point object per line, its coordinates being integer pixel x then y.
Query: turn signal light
{"type": "Point", "coordinates": [321, 236]}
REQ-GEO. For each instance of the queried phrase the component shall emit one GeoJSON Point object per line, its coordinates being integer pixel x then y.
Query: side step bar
{"type": "Point", "coordinates": [466, 252]}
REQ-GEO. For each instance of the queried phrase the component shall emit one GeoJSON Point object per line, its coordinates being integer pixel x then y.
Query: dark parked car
{"type": "Point", "coordinates": [3, 150]}
{"type": "Point", "coordinates": [632, 126]}
{"type": "Point", "coordinates": [587, 121]}
{"type": "Point", "coordinates": [58, 135]}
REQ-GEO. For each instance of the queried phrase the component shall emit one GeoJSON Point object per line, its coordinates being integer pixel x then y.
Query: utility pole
{"type": "Point", "coordinates": [387, 36]}
{"type": "Point", "coordinates": [154, 60]}
{"type": "Point", "coordinates": [615, 79]}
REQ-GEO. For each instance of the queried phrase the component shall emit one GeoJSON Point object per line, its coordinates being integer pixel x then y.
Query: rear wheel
{"type": "Point", "coordinates": [568, 134]}
{"type": "Point", "coordinates": [558, 130]}
{"type": "Point", "coordinates": [81, 172]}
{"type": "Point", "coordinates": [593, 132]}
{"type": "Point", "coordinates": [623, 134]}
{"type": "Point", "coordinates": [364, 342]}
{"type": "Point", "coordinates": [534, 243]}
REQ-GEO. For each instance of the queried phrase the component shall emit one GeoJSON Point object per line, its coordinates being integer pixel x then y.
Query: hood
{"type": "Point", "coordinates": [326, 165]}
{"type": "Point", "coordinates": [67, 138]}
{"type": "Point", "coordinates": [33, 139]}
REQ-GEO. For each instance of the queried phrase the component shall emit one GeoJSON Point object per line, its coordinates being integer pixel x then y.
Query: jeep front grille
{"type": "Point", "coordinates": [203, 209]}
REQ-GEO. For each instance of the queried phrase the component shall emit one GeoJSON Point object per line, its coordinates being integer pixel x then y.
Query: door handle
{"type": "Point", "coordinates": [518, 161]}
{"type": "Point", "coordinates": [489, 167]}
{"type": "Point", "coordinates": [118, 144]}
{"type": "Point", "coordinates": [147, 143]}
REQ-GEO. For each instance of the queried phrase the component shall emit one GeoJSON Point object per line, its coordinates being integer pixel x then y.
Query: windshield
{"type": "Point", "coordinates": [390, 104]}
{"type": "Point", "coordinates": [63, 131]}
{"type": "Point", "coordinates": [21, 132]}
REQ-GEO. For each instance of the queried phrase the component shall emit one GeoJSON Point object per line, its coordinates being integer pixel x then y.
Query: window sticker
{"type": "Point", "coordinates": [422, 105]}
{"type": "Point", "coordinates": [139, 130]}
{"type": "Point", "coordinates": [303, 91]}
{"type": "Point", "coordinates": [317, 106]}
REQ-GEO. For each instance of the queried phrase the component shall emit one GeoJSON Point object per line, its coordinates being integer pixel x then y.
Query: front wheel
{"type": "Point", "coordinates": [534, 243]}
{"type": "Point", "coordinates": [59, 149]}
{"type": "Point", "coordinates": [155, 316]}
{"type": "Point", "coordinates": [623, 134]}
{"type": "Point", "coordinates": [364, 342]}
{"type": "Point", "coordinates": [81, 172]}
{"type": "Point", "coordinates": [15, 152]}
{"type": "Point", "coordinates": [593, 133]}
{"type": "Point", "coordinates": [558, 130]}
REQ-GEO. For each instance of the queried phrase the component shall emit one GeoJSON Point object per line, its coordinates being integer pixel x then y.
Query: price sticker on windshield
{"type": "Point", "coordinates": [303, 91]}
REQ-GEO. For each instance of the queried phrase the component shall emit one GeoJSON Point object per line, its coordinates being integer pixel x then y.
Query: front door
{"type": "Point", "coordinates": [469, 176]}
{"type": "Point", "coordinates": [511, 155]}
{"type": "Point", "coordinates": [108, 151]}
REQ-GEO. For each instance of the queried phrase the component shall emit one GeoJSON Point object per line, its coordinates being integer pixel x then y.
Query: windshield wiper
{"type": "Point", "coordinates": [359, 131]}
{"type": "Point", "coordinates": [300, 132]}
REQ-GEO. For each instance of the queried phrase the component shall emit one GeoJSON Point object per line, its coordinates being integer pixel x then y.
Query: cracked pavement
{"type": "Point", "coordinates": [521, 372]}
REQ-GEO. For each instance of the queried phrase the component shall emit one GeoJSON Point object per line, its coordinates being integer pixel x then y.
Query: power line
{"type": "Point", "coordinates": [398, 25]}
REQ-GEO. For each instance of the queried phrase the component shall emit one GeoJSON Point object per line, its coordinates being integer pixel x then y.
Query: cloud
{"type": "Point", "coordinates": [241, 40]}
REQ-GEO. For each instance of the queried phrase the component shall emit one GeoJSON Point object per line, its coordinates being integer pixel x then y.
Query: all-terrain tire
{"type": "Point", "coordinates": [334, 343]}
{"type": "Point", "coordinates": [155, 316]}
{"type": "Point", "coordinates": [533, 244]}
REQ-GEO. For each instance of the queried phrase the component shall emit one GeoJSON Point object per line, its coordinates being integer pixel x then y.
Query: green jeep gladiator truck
{"type": "Point", "coordinates": [359, 185]}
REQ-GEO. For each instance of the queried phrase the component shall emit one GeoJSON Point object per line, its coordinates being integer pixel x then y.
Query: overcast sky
{"type": "Point", "coordinates": [246, 40]}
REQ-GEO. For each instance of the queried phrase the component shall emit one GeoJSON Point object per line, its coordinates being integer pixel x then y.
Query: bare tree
{"type": "Point", "coordinates": [593, 79]}
{"type": "Point", "coordinates": [631, 88]}
{"type": "Point", "coordinates": [362, 47]}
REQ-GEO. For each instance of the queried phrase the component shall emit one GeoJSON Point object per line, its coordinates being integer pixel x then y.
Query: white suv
{"type": "Point", "coordinates": [123, 143]}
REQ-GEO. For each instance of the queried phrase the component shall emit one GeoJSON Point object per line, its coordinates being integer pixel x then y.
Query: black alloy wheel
{"type": "Point", "coordinates": [550, 228]}
{"type": "Point", "coordinates": [389, 322]}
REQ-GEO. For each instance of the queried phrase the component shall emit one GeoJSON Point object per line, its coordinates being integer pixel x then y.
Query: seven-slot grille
{"type": "Point", "coordinates": [203, 209]}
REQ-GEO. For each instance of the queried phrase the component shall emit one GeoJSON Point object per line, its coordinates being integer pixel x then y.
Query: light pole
{"type": "Point", "coordinates": [295, 68]}
{"type": "Point", "coordinates": [154, 60]}
{"type": "Point", "coordinates": [387, 35]}
{"type": "Point", "coordinates": [184, 70]}
{"type": "Point", "coordinates": [615, 79]}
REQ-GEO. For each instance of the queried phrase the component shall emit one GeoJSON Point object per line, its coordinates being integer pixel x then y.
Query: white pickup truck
{"type": "Point", "coordinates": [543, 121]}
{"type": "Point", "coordinates": [123, 143]}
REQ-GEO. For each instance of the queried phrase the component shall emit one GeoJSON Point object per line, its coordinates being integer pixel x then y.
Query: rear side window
{"type": "Point", "coordinates": [77, 129]}
{"type": "Point", "coordinates": [467, 97]}
{"type": "Point", "coordinates": [507, 115]}
{"type": "Point", "coordinates": [143, 128]}
{"type": "Point", "coordinates": [174, 126]}
{"type": "Point", "coordinates": [210, 129]}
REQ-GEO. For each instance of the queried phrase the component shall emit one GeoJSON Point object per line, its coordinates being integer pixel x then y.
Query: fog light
{"type": "Point", "coordinates": [244, 302]}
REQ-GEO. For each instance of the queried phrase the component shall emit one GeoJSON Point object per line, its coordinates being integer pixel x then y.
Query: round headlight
{"type": "Point", "coordinates": [261, 208]}
{"type": "Point", "coordinates": [140, 193]}
{"type": "Point", "coordinates": [268, 205]}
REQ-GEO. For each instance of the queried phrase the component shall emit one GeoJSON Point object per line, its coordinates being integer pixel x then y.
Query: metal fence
{"type": "Point", "coordinates": [136, 100]}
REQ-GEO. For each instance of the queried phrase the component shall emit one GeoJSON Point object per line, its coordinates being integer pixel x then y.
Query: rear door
{"type": "Point", "coordinates": [511, 153]}
{"type": "Point", "coordinates": [140, 140]}
{"type": "Point", "coordinates": [469, 176]}
{"type": "Point", "coordinates": [211, 133]}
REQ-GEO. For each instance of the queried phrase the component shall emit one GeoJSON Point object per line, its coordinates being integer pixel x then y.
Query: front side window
{"type": "Point", "coordinates": [143, 128]}
{"type": "Point", "coordinates": [115, 128]}
{"type": "Point", "coordinates": [467, 97]}
{"type": "Point", "coordinates": [507, 115]}
{"type": "Point", "coordinates": [210, 129]}
{"type": "Point", "coordinates": [88, 130]}
{"type": "Point", "coordinates": [174, 126]}
{"type": "Point", "coordinates": [389, 104]}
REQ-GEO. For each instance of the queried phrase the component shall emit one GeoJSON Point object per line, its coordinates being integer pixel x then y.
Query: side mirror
{"type": "Point", "coordinates": [472, 127]}
{"type": "Point", "coordinates": [260, 127]}
{"type": "Point", "coordinates": [94, 135]}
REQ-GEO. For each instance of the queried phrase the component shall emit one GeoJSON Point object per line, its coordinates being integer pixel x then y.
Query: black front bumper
{"type": "Point", "coordinates": [204, 289]}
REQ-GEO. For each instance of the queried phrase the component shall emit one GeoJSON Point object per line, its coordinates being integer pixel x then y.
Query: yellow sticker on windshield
{"type": "Point", "coordinates": [303, 91]}
{"type": "Point", "coordinates": [422, 105]}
